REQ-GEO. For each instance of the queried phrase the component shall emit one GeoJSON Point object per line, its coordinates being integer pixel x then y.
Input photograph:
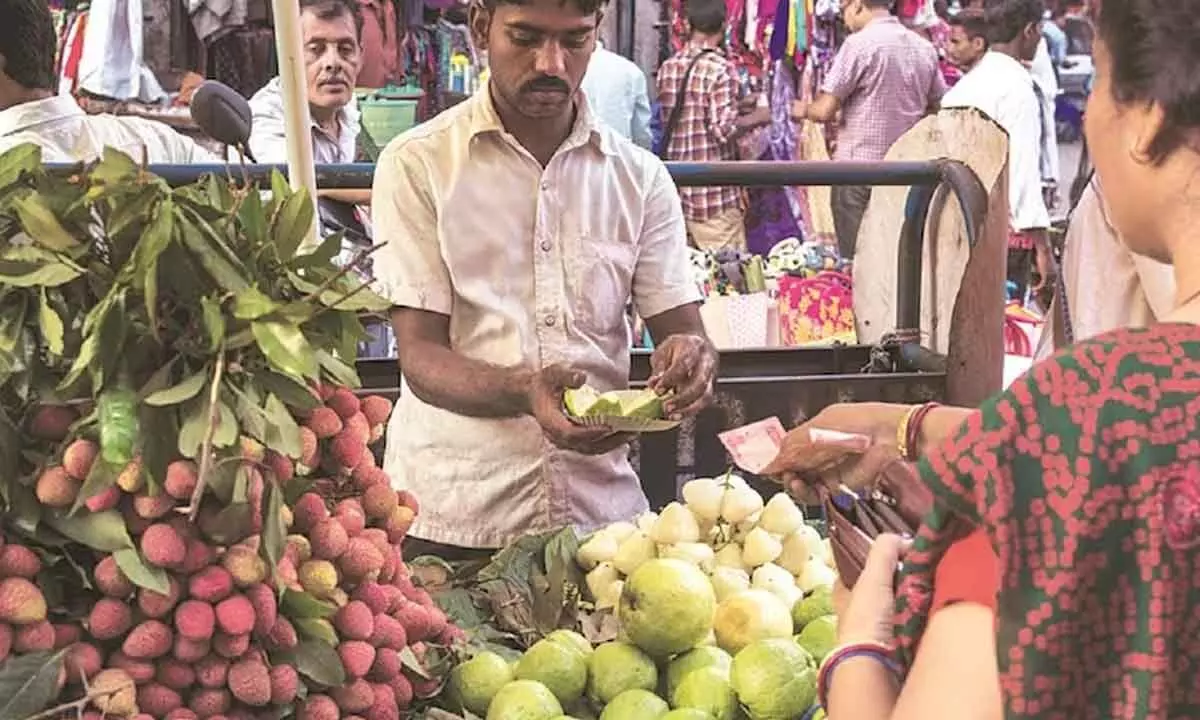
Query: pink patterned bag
{"type": "Point", "coordinates": [819, 309]}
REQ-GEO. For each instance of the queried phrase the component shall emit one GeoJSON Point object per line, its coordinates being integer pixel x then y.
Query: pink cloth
{"type": "Point", "coordinates": [886, 77]}
{"type": "Point", "coordinates": [381, 56]}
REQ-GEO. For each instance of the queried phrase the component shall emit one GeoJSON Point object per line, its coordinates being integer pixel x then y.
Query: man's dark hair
{"type": "Point", "coordinates": [1007, 19]}
{"type": "Point", "coordinates": [586, 7]}
{"type": "Point", "coordinates": [27, 43]}
{"type": "Point", "coordinates": [333, 9]}
{"type": "Point", "coordinates": [706, 16]}
{"type": "Point", "coordinates": [973, 23]}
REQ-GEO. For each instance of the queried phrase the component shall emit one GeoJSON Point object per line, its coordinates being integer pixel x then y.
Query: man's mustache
{"type": "Point", "coordinates": [547, 84]}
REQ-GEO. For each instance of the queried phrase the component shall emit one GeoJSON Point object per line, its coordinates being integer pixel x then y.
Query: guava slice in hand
{"type": "Point", "coordinates": [579, 401]}
{"type": "Point", "coordinates": [643, 404]}
{"type": "Point", "coordinates": [586, 402]}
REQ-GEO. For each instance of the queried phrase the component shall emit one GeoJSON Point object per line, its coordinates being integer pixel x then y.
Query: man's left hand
{"type": "Point", "coordinates": [684, 365]}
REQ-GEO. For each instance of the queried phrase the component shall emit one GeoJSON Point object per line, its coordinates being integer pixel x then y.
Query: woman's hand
{"type": "Point", "coordinates": [869, 614]}
{"type": "Point", "coordinates": [867, 444]}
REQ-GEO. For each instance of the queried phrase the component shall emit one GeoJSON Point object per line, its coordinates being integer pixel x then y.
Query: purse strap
{"type": "Point", "coordinates": [677, 108]}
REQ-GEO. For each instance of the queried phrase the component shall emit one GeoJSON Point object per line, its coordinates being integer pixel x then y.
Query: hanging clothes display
{"type": "Point", "coordinates": [70, 50]}
{"type": "Point", "coordinates": [380, 46]}
{"type": "Point", "coordinates": [110, 64]}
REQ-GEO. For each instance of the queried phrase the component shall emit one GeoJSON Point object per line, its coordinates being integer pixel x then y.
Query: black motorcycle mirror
{"type": "Point", "coordinates": [224, 115]}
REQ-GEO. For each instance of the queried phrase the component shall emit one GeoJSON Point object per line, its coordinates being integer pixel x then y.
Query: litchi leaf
{"type": "Point", "coordinates": [29, 683]}
{"type": "Point", "coordinates": [274, 532]}
{"type": "Point", "coordinates": [283, 434]}
{"type": "Point", "coordinates": [318, 661]}
{"type": "Point", "coordinates": [181, 392]}
{"type": "Point", "coordinates": [103, 531]}
{"type": "Point", "coordinates": [298, 605]}
{"type": "Point", "coordinates": [141, 574]}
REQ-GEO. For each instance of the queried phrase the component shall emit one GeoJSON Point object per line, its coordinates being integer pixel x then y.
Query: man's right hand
{"type": "Point", "coordinates": [546, 389]}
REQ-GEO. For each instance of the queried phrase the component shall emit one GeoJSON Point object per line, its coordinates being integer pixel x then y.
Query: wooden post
{"type": "Point", "coordinates": [962, 298]}
{"type": "Point", "coordinates": [289, 47]}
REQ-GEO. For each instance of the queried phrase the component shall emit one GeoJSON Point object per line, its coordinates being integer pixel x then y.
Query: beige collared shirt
{"type": "Point", "coordinates": [533, 266]}
{"type": "Point", "coordinates": [268, 138]}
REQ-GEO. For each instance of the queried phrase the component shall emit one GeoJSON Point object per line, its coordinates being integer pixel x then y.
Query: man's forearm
{"type": "Point", "coordinates": [446, 379]}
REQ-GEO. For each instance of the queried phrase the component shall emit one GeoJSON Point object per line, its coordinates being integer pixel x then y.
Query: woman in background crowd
{"type": "Point", "coordinates": [1055, 577]}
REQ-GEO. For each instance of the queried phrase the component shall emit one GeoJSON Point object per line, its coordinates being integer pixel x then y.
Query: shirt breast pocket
{"type": "Point", "coordinates": [599, 279]}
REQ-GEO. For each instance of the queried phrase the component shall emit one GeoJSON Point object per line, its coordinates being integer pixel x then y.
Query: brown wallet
{"type": "Point", "coordinates": [895, 503]}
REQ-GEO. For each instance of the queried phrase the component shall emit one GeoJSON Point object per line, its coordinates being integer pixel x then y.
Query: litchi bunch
{"type": "Point", "coordinates": [336, 436]}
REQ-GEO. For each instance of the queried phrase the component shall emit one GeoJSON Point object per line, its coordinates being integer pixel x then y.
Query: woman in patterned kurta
{"type": "Point", "coordinates": [1076, 491]}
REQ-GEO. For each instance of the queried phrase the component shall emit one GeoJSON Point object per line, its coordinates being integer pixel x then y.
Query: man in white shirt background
{"type": "Point", "coordinates": [1001, 86]}
{"type": "Point", "coordinates": [516, 228]}
{"type": "Point", "coordinates": [616, 91]}
{"type": "Point", "coordinates": [31, 112]}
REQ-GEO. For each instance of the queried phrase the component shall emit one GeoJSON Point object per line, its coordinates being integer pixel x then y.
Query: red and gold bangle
{"type": "Point", "coordinates": [875, 650]}
{"type": "Point", "coordinates": [908, 432]}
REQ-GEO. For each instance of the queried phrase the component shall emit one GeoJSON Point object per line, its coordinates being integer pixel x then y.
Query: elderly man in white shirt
{"type": "Point", "coordinates": [616, 91]}
{"type": "Point", "coordinates": [1001, 86]}
{"type": "Point", "coordinates": [517, 227]}
{"type": "Point", "coordinates": [30, 112]}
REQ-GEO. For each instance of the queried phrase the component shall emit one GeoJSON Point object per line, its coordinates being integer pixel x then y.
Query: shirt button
{"type": "Point", "coordinates": [545, 185]}
{"type": "Point", "coordinates": [549, 321]}
{"type": "Point", "coordinates": [546, 245]}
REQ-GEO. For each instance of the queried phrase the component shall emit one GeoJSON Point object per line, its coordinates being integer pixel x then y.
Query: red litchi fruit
{"type": "Point", "coordinates": [266, 608]}
{"type": "Point", "coordinates": [344, 402]}
{"type": "Point", "coordinates": [157, 700]}
{"type": "Point", "coordinates": [250, 682]}
{"type": "Point", "coordinates": [403, 690]}
{"type": "Point", "coordinates": [82, 660]}
{"type": "Point", "coordinates": [252, 450]}
{"type": "Point", "coordinates": [350, 514]}
{"type": "Point", "coordinates": [286, 575]}
{"type": "Point", "coordinates": [377, 537]}
{"type": "Point", "coordinates": [195, 620]}
{"type": "Point", "coordinates": [395, 597]}
{"type": "Point", "coordinates": [176, 674]}
{"type": "Point", "coordinates": [365, 465]}
{"type": "Point", "coordinates": [408, 500]}
{"type": "Point", "coordinates": [324, 423]}
{"type": "Point", "coordinates": [131, 479]}
{"type": "Point", "coordinates": [354, 696]}
{"type": "Point", "coordinates": [387, 665]}
{"type": "Point", "coordinates": [376, 409]}
{"type": "Point", "coordinates": [437, 621]}
{"type": "Point", "coordinates": [354, 621]}
{"type": "Point", "coordinates": [212, 584]}
{"type": "Point", "coordinates": [416, 621]}
{"type": "Point", "coordinates": [153, 507]}
{"type": "Point", "coordinates": [151, 639]}
{"type": "Point", "coordinates": [309, 448]}
{"type": "Point", "coordinates": [389, 632]}
{"type": "Point", "coordinates": [369, 476]}
{"type": "Point", "coordinates": [199, 556]}
{"type": "Point", "coordinates": [357, 657]}
{"type": "Point", "coordinates": [384, 707]}
{"type": "Point", "coordinates": [235, 615]}
{"type": "Point", "coordinates": [245, 566]}
{"type": "Point", "coordinates": [52, 422]}
{"type": "Point", "coordinates": [319, 707]}
{"type": "Point", "coordinates": [157, 605]}
{"type": "Point", "coordinates": [211, 702]}
{"type": "Point", "coordinates": [285, 683]}
{"type": "Point", "coordinates": [283, 634]}
{"type": "Point", "coordinates": [379, 501]}
{"type": "Point", "coordinates": [78, 458]}
{"type": "Point", "coordinates": [280, 466]}
{"type": "Point", "coordinates": [297, 549]}
{"type": "Point", "coordinates": [346, 451]}
{"type": "Point", "coordinates": [398, 523]}
{"type": "Point", "coordinates": [231, 646]}
{"type": "Point", "coordinates": [34, 638]}
{"type": "Point", "coordinates": [181, 479]}
{"type": "Point", "coordinates": [452, 635]}
{"type": "Point", "coordinates": [182, 713]}
{"type": "Point", "coordinates": [65, 635]}
{"type": "Point", "coordinates": [211, 671]}
{"type": "Point", "coordinates": [373, 595]}
{"type": "Point", "coordinates": [19, 561]}
{"type": "Point", "coordinates": [329, 539]}
{"type": "Point", "coordinates": [162, 547]}
{"type": "Point", "coordinates": [362, 560]}
{"type": "Point", "coordinates": [109, 619]}
{"type": "Point", "coordinates": [358, 427]}
{"type": "Point", "coordinates": [106, 499]}
{"type": "Point", "coordinates": [142, 671]}
{"type": "Point", "coordinates": [421, 597]}
{"type": "Point", "coordinates": [309, 510]}
{"type": "Point", "coordinates": [56, 489]}
{"type": "Point", "coordinates": [189, 650]}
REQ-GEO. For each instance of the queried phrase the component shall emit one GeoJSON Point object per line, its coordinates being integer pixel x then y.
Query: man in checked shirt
{"type": "Point", "coordinates": [701, 123]}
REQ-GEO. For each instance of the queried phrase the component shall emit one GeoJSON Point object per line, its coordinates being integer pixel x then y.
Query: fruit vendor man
{"type": "Point", "coordinates": [517, 228]}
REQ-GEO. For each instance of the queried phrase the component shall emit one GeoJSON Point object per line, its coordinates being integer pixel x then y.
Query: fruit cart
{"type": "Point", "coordinates": [791, 383]}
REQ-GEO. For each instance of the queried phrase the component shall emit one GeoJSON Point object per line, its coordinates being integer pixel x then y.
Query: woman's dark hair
{"type": "Point", "coordinates": [1153, 49]}
{"type": "Point", "coordinates": [1007, 19]}
{"type": "Point", "coordinates": [27, 43]}
{"type": "Point", "coordinates": [706, 16]}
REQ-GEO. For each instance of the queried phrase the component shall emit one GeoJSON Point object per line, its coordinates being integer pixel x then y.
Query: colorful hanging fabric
{"type": "Point", "coordinates": [71, 51]}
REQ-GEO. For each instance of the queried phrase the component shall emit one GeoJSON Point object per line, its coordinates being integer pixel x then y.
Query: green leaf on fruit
{"type": "Point", "coordinates": [42, 225]}
{"type": "Point", "coordinates": [299, 605]}
{"type": "Point", "coordinates": [252, 304]}
{"type": "Point", "coordinates": [193, 417]}
{"type": "Point", "coordinates": [17, 161]}
{"type": "Point", "coordinates": [51, 325]}
{"type": "Point", "coordinates": [230, 524]}
{"type": "Point", "coordinates": [29, 683]}
{"type": "Point", "coordinates": [274, 532]}
{"type": "Point", "coordinates": [103, 531]}
{"type": "Point", "coordinates": [342, 373]}
{"type": "Point", "coordinates": [409, 660]}
{"type": "Point", "coordinates": [318, 661]}
{"type": "Point", "coordinates": [283, 434]}
{"type": "Point", "coordinates": [101, 477]}
{"type": "Point", "coordinates": [285, 347]}
{"type": "Point", "coordinates": [185, 390]}
{"type": "Point", "coordinates": [291, 392]}
{"type": "Point", "coordinates": [140, 573]}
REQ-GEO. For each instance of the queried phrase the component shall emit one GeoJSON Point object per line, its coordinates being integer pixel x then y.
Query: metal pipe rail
{"type": "Point", "coordinates": [925, 178]}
